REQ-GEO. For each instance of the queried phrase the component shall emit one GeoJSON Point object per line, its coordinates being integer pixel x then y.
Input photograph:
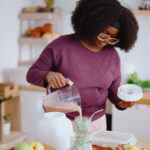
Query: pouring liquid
{"type": "Point", "coordinates": [58, 106]}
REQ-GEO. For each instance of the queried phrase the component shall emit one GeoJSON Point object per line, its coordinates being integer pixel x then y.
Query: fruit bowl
{"type": "Point", "coordinates": [46, 147]}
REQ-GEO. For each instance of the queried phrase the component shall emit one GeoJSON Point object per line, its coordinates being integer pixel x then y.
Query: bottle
{"type": "Point", "coordinates": [55, 130]}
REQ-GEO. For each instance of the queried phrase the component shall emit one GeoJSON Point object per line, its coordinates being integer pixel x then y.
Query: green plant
{"type": "Point", "coordinates": [2, 99]}
{"type": "Point", "coordinates": [6, 116]}
{"type": "Point", "coordinates": [49, 3]}
{"type": "Point", "coordinates": [134, 79]}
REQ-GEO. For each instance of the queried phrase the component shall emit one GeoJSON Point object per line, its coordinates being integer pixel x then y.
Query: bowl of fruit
{"type": "Point", "coordinates": [30, 146]}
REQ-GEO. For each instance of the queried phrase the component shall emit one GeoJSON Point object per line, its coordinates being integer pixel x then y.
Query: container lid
{"type": "Point", "coordinates": [112, 138]}
{"type": "Point", "coordinates": [130, 92]}
{"type": "Point", "coordinates": [69, 81]}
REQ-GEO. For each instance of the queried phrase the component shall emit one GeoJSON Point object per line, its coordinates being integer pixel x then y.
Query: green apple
{"type": "Point", "coordinates": [23, 146]}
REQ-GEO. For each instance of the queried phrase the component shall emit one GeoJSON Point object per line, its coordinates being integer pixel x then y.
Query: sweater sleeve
{"type": "Point", "coordinates": [113, 89]}
{"type": "Point", "coordinates": [37, 72]}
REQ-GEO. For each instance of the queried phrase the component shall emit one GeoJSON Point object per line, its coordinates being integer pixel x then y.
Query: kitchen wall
{"type": "Point", "coordinates": [137, 59]}
{"type": "Point", "coordinates": [9, 32]}
{"type": "Point", "coordinates": [69, 5]}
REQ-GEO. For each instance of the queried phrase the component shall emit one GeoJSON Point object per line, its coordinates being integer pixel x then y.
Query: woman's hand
{"type": "Point", "coordinates": [124, 104]}
{"type": "Point", "coordinates": [56, 80]}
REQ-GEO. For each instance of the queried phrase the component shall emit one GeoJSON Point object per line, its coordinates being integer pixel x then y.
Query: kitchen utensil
{"type": "Point", "coordinates": [63, 100]}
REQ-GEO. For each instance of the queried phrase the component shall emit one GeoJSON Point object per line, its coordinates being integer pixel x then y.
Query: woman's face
{"type": "Point", "coordinates": [107, 37]}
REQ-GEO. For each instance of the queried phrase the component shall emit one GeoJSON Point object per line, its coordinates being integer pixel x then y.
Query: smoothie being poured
{"type": "Point", "coordinates": [63, 100]}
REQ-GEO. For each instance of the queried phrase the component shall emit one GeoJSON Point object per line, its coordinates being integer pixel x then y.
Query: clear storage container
{"type": "Point", "coordinates": [111, 140]}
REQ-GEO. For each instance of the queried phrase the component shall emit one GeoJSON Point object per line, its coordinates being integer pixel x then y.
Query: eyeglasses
{"type": "Point", "coordinates": [106, 38]}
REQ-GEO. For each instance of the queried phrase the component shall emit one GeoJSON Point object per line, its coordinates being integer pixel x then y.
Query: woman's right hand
{"type": "Point", "coordinates": [56, 80]}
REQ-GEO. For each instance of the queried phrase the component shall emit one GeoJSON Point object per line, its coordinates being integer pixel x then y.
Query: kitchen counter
{"type": "Point", "coordinates": [146, 98]}
{"type": "Point", "coordinates": [32, 88]}
{"type": "Point", "coordinates": [141, 145]}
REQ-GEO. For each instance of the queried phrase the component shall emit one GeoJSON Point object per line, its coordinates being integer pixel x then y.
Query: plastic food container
{"type": "Point", "coordinates": [111, 140]}
{"type": "Point", "coordinates": [130, 92]}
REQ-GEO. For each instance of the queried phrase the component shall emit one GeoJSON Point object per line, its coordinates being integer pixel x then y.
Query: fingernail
{"type": "Point", "coordinates": [67, 82]}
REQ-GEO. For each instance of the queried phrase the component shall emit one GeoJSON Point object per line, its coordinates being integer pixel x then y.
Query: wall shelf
{"type": "Point", "coordinates": [141, 12]}
{"type": "Point", "coordinates": [35, 41]}
{"type": "Point", "coordinates": [26, 63]}
{"type": "Point", "coordinates": [53, 18]}
{"type": "Point", "coordinates": [12, 105]}
{"type": "Point", "coordinates": [39, 16]}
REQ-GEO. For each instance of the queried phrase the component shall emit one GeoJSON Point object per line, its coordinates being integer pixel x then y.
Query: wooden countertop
{"type": "Point", "coordinates": [146, 98]}
{"type": "Point", "coordinates": [141, 145]}
{"type": "Point", "coordinates": [32, 88]}
{"type": "Point", "coordinates": [11, 140]}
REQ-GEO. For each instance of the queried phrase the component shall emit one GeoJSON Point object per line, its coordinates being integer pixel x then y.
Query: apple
{"type": "Point", "coordinates": [132, 148]}
{"type": "Point", "coordinates": [23, 146]}
{"type": "Point", "coordinates": [36, 146]}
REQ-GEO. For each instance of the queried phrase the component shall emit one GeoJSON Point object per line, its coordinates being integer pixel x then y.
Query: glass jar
{"type": "Point", "coordinates": [81, 139]}
{"type": "Point", "coordinates": [145, 5]}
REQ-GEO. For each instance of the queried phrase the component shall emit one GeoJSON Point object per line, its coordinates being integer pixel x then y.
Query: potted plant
{"type": "Point", "coordinates": [6, 124]}
{"type": "Point", "coordinates": [49, 5]}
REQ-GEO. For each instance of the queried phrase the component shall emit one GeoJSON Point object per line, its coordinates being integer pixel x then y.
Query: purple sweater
{"type": "Point", "coordinates": [95, 74]}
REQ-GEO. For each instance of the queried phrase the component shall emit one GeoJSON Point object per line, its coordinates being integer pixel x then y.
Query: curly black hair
{"type": "Point", "coordinates": [91, 17]}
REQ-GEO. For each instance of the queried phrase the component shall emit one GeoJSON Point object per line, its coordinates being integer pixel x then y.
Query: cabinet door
{"type": "Point", "coordinates": [30, 115]}
{"type": "Point", "coordinates": [135, 120]}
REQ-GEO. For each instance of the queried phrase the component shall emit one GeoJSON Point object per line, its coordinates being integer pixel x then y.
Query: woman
{"type": "Point", "coordinates": [88, 57]}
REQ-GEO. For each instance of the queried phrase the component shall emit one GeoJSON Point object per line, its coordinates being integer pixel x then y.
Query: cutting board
{"type": "Point", "coordinates": [48, 147]}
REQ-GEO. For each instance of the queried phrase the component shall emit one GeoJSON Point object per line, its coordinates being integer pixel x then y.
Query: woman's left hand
{"type": "Point", "coordinates": [124, 104]}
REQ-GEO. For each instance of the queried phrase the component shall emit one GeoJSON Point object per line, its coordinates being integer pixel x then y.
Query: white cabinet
{"type": "Point", "coordinates": [30, 115]}
{"type": "Point", "coordinates": [135, 120]}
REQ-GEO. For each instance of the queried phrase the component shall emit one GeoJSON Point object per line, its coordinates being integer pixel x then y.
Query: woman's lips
{"type": "Point", "coordinates": [102, 44]}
